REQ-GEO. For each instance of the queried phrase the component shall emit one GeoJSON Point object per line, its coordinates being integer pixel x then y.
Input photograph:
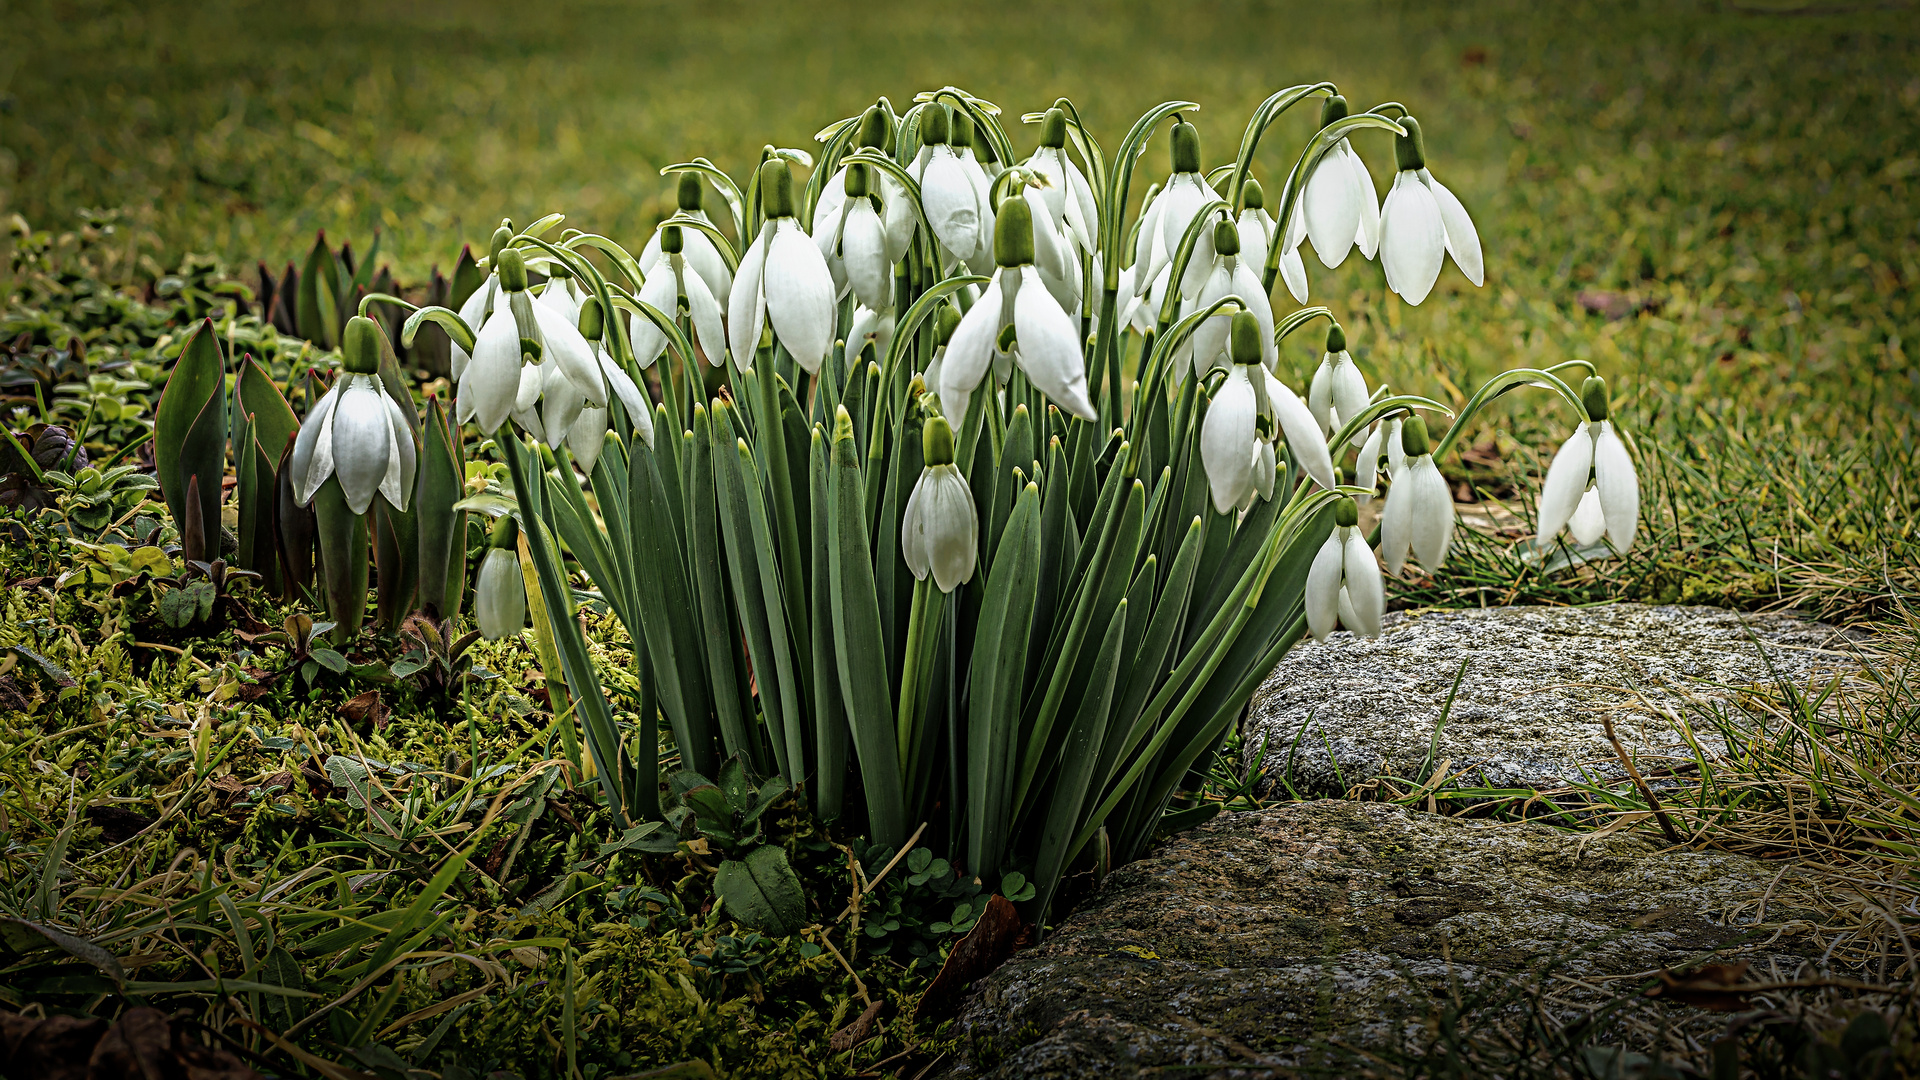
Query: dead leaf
{"type": "Point", "coordinates": [1717, 987]}
{"type": "Point", "coordinates": [855, 1033]}
{"type": "Point", "coordinates": [142, 1044]}
{"type": "Point", "coordinates": [366, 708]}
{"type": "Point", "coordinates": [985, 948]}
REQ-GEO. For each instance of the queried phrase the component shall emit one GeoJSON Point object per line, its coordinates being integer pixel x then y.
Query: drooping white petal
{"type": "Point", "coordinates": [799, 292]}
{"type": "Point", "coordinates": [1350, 396]}
{"type": "Point", "coordinates": [747, 304]}
{"type": "Point", "coordinates": [952, 526]}
{"type": "Point", "coordinates": [1186, 193]}
{"type": "Point", "coordinates": [969, 352]}
{"type": "Point", "coordinates": [312, 460]}
{"type": "Point", "coordinates": [1256, 232]}
{"type": "Point", "coordinates": [564, 344]}
{"type": "Point", "coordinates": [362, 440]}
{"type": "Point", "coordinates": [1083, 213]}
{"type": "Point", "coordinates": [1207, 347]}
{"type": "Point", "coordinates": [709, 332]}
{"type": "Point", "coordinates": [1050, 347]}
{"type": "Point", "coordinates": [1332, 208]}
{"type": "Point", "coordinates": [473, 312]}
{"type": "Point", "coordinates": [1145, 240]}
{"type": "Point", "coordinates": [1323, 586]}
{"type": "Point", "coordinates": [1366, 468]}
{"type": "Point", "coordinates": [1304, 438]}
{"type": "Point", "coordinates": [1396, 450]}
{"type": "Point", "coordinates": [1226, 440]}
{"type": "Point", "coordinates": [659, 293]}
{"type": "Point", "coordinates": [1365, 591]}
{"type": "Point", "coordinates": [1618, 485]}
{"type": "Point", "coordinates": [588, 436]}
{"type": "Point", "coordinates": [1246, 285]}
{"type": "Point", "coordinates": [561, 402]}
{"type": "Point", "coordinates": [899, 216]}
{"type": "Point", "coordinates": [397, 486]}
{"type": "Point", "coordinates": [1367, 238]}
{"type": "Point", "coordinates": [493, 378]}
{"type": "Point", "coordinates": [1589, 522]}
{"type": "Point", "coordinates": [1294, 272]}
{"type": "Point", "coordinates": [870, 325]}
{"type": "Point", "coordinates": [1462, 239]}
{"type": "Point", "coordinates": [705, 259]}
{"type": "Point", "coordinates": [1432, 512]}
{"type": "Point", "coordinates": [1053, 254]}
{"type": "Point", "coordinates": [1396, 523]}
{"type": "Point", "coordinates": [639, 407]}
{"type": "Point", "coordinates": [560, 295]}
{"type": "Point", "coordinates": [827, 211]}
{"type": "Point", "coordinates": [952, 205]}
{"type": "Point", "coordinates": [1565, 483]}
{"type": "Point", "coordinates": [1265, 468]}
{"type": "Point", "coordinates": [1412, 239]}
{"type": "Point", "coordinates": [500, 595]}
{"type": "Point", "coordinates": [1320, 393]}
{"type": "Point", "coordinates": [913, 532]}
{"type": "Point", "coordinates": [863, 247]}
{"type": "Point", "coordinates": [533, 379]}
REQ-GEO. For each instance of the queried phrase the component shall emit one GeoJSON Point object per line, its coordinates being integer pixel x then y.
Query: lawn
{"type": "Point", "coordinates": [1712, 203]}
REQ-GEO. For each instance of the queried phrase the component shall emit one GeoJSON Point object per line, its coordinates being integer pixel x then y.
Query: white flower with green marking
{"type": "Point", "coordinates": [1343, 584]}
{"type": "Point", "coordinates": [783, 282]}
{"type": "Point", "coordinates": [940, 529]}
{"type": "Point", "coordinates": [356, 432]}
{"type": "Point", "coordinates": [1591, 488]}
{"type": "Point", "coordinates": [1421, 223]}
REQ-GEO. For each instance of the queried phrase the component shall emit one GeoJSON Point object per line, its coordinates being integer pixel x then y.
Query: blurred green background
{"type": "Point", "coordinates": [1712, 202]}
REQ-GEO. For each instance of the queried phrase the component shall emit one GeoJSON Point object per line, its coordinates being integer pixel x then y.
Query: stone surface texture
{"type": "Point", "coordinates": [1240, 947]}
{"type": "Point", "coordinates": [1529, 707]}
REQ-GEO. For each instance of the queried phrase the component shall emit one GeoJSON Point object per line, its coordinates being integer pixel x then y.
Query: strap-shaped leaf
{"type": "Point", "coordinates": [1080, 755]}
{"type": "Point", "coordinates": [190, 429]}
{"type": "Point", "coordinates": [999, 672]}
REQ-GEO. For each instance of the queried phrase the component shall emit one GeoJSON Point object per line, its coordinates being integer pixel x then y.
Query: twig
{"type": "Point", "coordinates": [1653, 804]}
{"type": "Point", "coordinates": [858, 986]}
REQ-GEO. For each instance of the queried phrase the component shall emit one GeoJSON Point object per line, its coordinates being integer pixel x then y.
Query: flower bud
{"type": "Point", "coordinates": [1336, 339]}
{"type": "Point", "coordinates": [1186, 147]}
{"type": "Point", "coordinates": [1413, 437]}
{"type": "Point", "coordinates": [593, 319]}
{"type": "Point", "coordinates": [776, 188]}
{"type": "Point", "coordinates": [1053, 130]}
{"type": "Point", "coordinates": [842, 423]}
{"type": "Point", "coordinates": [856, 181]}
{"type": "Point", "coordinates": [512, 268]}
{"type": "Point", "coordinates": [1252, 196]}
{"type": "Point", "coordinates": [874, 129]}
{"type": "Point", "coordinates": [1410, 150]}
{"type": "Point", "coordinates": [1226, 238]}
{"type": "Point", "coordinates": [1593, 394]}
{"type": "Point", "coordinates": [688, 195]}
{"type": "Point", "coordinates": [933, 125]}
{"type": "Point", "coordinates": [502, 236]}
{"type": "Point", "coordinates": [360, 346]}
{"type": "Point", "coordinates": [1346, 513]}
{"type": "Point", "coordinates": [1244, 339]}
{"type": "Point", "coordinates": [1013, 234]}
{"type": "Point", "coordinates": [1334, 108]}
{"type": "Point", "coordinates": [936, 441]}
{"type": "Point", "coordinates": [946, 323]}
{"type": "Point", "coordinates": [671, 242]}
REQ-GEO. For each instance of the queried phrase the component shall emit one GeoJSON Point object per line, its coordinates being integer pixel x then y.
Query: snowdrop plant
{"type": "Point", "coordinates": [1591, 489]}
{"type": "Point", "coordinates": [995, 505]}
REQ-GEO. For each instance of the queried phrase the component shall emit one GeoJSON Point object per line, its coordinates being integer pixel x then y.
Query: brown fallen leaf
{"type": "Point", "coordinates": [366, 708]}
{"type": "Point", "coordinates": [855, 1033]}
{"type": "Point", "coordinates": [1717, 987]}
{"type": "Point", "coordinates": [985, 948]}
{"type": "Point", "coordinates": [142, 1044]}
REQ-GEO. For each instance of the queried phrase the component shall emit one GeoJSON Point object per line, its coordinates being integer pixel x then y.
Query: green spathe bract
{"type": "Point", "coordinates": [1042, 716]}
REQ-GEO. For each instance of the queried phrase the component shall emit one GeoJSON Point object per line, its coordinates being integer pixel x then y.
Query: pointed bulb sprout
{"type": "Point", "coordinates": [1419, 512]}
{"type": "Point", "coordinates": [1591, 488]}
{"type": "Point", "coordinates": [356, 432]}
{"type": "Point", "coordinates": [939, 531]}
{"type": "Point", "coordinates": [1343, 584]}
{"type": "Point", "coordinates": [500, 591]}
{"type": "Point", "coordinates": [1421, 222]}
{"type": "Point", "coordinates": [783, 282]}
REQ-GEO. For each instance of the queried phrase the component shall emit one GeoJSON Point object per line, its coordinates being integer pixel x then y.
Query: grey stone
{"type": "Point", "coordinates": [1258, 941]}
{"type": "Point", "coordinates": [1529, 709]}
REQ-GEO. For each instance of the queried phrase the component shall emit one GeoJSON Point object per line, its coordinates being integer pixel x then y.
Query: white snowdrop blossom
{"type": "Point", "coordinates": [498, 383]}
{"type": "Point", "coordinates": [674, 280]}
{"type": "Point", "coordinates": [1339, 391]}
{"type": "Point", "coordinates": [702, 255]}
{"type": "Point", "coordinates": [1422, 222]}
{"type": "Point", "coordinates": [565, 415]}
{"type": "Point", "coordinates": [500, 591]}
{"type": "Point", "coordinates": [853, 240]}
{"type": "Point", "coordinates": [896, 210]}
{"type": "Point", "coordinates": [355, 432]}
{"type": "Point", "coordinates": [940, 529]}
{"type": "Point", "coordinates": [1068, 196]}
{"type": "Point", "coordinates": [1344, 587]}
{"type": "Point", "coordinates": [783, 281]}
{"type": "Point", "coordinates": [1339, 205]}
{"type": "Point", "coordinates": [1226, 274]}
{"type": "Point", "coordinates": [1046, 343]}
{"type": "Point", "coordinates": [1167, 216]}
{"type": "Point", "coordinates": [1249, 411]}
{"type": "Point", "coordinates": [1591, 488]}
{"type": "Point", "coordinates": [1419, 514]}
{"type": "Point", "coordinates": [953, 188]}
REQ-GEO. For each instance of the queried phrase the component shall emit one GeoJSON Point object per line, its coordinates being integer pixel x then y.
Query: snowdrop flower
{"type": "Point", "coordinates": [355, 432]}
{"type": "Point", "coordinates": [1257, 235]}
{"type": "Point", "coordinates": [896, 211]}
{"type": "Point", "coordinates": [1338, 392]}
{"type": "Point", "coordinates": [1339, 204]}
{"type": "Point", "coordinates": [697, 247]}
{"type": "Point", "coordinates": [940, 530]}
{"type": "Point", "coordinates": [976, 156]}
{"type": "Point", "coordinates": [1422, 221]}
{"type": "Point", "coordinates": [1385, 438]}
{"type": "Point", "coordinates": [1068, 196]}
{"type": "Point", "coordinates": [1166, 219]}
{"type": "Point", "coordinates": [946, 321]}
{"type": "Point", "coordinates": [1046, 343]}
{"type": "Point", "coordinates": [873, 326]}
{"type": "Point", "coordinates": [672, 280]}
{"type": "Point", "coordinates": [1249, 411]}
{"type": "Point", "coordinates": [476, 308]}
{"type": "Point", "coordinates": [563, 292]}
{"type": "Point", "coordinates": [1591, 487]}
{"type": "Point", "coordinates": [497, 382]}
{"type": "Point", "coordinates": [1343, 584]}
{"type": "Point", "coordinates": [953, 188]}
{"type": "Point", "coordinates": [500, 592]}
{"type": "Point", "coordinates": [854, 242]}
{"type": "Point", "coordinates": [1054, 253]}
{"type": "Point", "coordinates": [783, 280]}
{"type": "Point", "coordinates": [1419, 512]}
{"type": "Point", "coordinates": [1227, 275]}
{"type": "Point", "coordinates": [565, 415]}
